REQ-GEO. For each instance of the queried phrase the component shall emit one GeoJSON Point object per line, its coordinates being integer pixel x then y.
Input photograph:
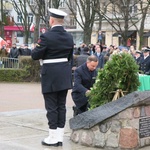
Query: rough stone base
{"type": "Point", "coordinates": [118, 132]}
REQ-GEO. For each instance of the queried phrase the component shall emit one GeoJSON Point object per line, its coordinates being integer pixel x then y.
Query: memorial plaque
{"type": "Point", "coordinates": [144, 127]}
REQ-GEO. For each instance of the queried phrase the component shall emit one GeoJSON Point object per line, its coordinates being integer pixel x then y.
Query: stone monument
{"type": "Point", "coordinates": [120, 124]}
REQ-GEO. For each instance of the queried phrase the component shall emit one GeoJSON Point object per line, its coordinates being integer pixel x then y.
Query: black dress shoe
{"type": "Point", "coordinates": [59, 144]}
{"type": "Point", "coordinates": [75, 111]}
{"type": "Point", "coordinates": [46, 144]}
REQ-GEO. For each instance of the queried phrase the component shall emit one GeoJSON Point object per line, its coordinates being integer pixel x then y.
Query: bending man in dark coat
{"type": "Point", "coordinates": [84, 77]}
{"type": "Point", "coordinates": [55, 49]}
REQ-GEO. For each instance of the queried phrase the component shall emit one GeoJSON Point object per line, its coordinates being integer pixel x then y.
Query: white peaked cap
{"type": "Point", "coordinates": [56, 13]}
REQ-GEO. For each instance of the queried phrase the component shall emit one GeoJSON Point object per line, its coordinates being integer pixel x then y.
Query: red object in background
{"type": "Point", "coordinates": [8, 34]}
{"type": "Point", "coordinates": [43, 30]}
{"type": "Point", "coordinates": [32, 27]}
{"type": "Point", "coordinates": [13, 28]}
{"type": "Point", "coordinates": [8, 38]}
{"type": "Point", "coordinates": [2, 42]}
{"type": "Point", "coordinates": [9, 41]}
{"type": "Point", "coordinates": [8, 30]}
{"type": "Point", "coordinates": [129, 42]}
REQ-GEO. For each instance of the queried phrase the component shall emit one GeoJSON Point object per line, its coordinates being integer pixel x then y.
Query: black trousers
{"type": "Point", "coordinates": [55, 104]}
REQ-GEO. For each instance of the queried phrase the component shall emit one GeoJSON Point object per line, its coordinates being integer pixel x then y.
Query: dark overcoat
{"type": "Point", "coordinates": [83, 81]}
{"type": "Point", "coordinates": [54, 44]}
{"type": "Point", "coordinates": [145, 65]}
{"type": "Point", "coordinates": [82, 58]}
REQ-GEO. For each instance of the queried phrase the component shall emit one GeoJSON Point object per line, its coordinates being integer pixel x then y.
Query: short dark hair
{"type": "Point", "coordinates": [86, 49]}
{"type": "Point", "coordinates": [92, 58]}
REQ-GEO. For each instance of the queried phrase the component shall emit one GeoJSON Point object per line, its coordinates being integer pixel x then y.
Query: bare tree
{"type": "Point", "coordinates": [54, 3]}
{"type": "Point", "coordinates": [118, 14]}
{"type": "Point", "coordinates": [99, 16]}
{"type": "Point", "coordinates": [143, 9]}
{"type": "Point", "coordinates": [21, 8]}
{"type": "Point", "coordinates": [85, 9]}
{"type": "Point", "coordinates": [40, 11]}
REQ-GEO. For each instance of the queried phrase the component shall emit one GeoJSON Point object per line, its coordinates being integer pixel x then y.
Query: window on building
{"type": "Point", "coordinates": [104, 8]}
{"type": "Point", "coordinates": [42, 21]}
{"type": "Point", "coordinates": [72, 21]}
{"type": "Point", "coordinates": [73, 5]}
{"type": "Point", "coordinates": [133, 7]}
{"type": "Point", "coordinates": [31, 2]}
{"type": "Point", "coordinates": [62, 3]}
{"type": "Point", "coordinates": [30, 18]}
{"type": "Point", "coordinates": [17, 1]}
{"type": "Point", "coordinates": [19, 18]}
{"type": "Point", "coordinates": [19, 34]}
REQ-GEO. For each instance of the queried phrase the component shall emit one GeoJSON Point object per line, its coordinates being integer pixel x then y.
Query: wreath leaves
{"type": "Point", "coordinates": [121, 72]}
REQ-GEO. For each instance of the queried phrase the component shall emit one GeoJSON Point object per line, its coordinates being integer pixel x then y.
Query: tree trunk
{"type": "Point", "coordinates": [26, 36]}
{"type": "Point", "coordinates": [36, 29]}
{"type": "Point", "coordinates": [87, 35]}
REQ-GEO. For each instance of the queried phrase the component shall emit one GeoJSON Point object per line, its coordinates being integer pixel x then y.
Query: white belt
{"type": "Point", "coordinates": [57, 60]}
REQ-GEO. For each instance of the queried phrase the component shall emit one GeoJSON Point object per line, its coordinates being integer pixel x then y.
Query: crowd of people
{"type": "Point", "coordinates": [104, 53]}
{"type": "Point", "coordinates": [12, 54]}
{"type": "Point", "coordinates": [96, 57]}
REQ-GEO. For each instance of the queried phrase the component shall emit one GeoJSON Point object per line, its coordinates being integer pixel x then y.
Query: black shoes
{"type": "Point", "coordinates": [59, 144]}
{"type": "Point", "coordinates": [55, 145]}
{"type": "Point", "coordinates": [75, 111]}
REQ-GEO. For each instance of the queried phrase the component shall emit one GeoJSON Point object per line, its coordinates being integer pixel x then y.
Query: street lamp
{"type": "Point", "coordinates": [46, 12]}
{"type": "Point", "coordinates": [2, 20]}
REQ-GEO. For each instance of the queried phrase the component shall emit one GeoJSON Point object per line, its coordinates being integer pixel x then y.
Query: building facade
{"type": "Point", "coordinates": [14, 33]}
{"type": "Point", "coordinates": [112, 37]}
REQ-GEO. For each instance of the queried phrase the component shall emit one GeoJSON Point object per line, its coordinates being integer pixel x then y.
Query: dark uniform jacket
{"type": "Point", "coordinates": [83, 81]}
{"type": "Point", "coordinates": [54, 44]}
{"type": "Point", "coordinates": [145, 65]}
{"type": "Point", "coordinates": [138, 60]}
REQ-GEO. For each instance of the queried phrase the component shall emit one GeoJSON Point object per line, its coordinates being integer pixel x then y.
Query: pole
{"type": "Point", "coordinates": [46, 11]}
{"type": "Point", "coordinates": [2, 20]}
{"type": "Point", "coordinates": [46, 15]}
{"type": "Point", "coordinates": [112, 23]}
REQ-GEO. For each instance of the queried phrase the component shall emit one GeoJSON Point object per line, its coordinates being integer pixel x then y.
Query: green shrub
{"type": "Point", "coordinates": [12, 75]}
{"type": "Point", "coordinates": [121, 72]}
{"type": "Point", "coordinates": [31, 67]}
{"type": "Point", "coordinates": [28, 71]}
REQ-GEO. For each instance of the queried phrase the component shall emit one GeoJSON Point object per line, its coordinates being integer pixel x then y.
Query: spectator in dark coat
{"type": "Point", "coordinates": [99, 55]}
{"type": "Point", "coordinates": [14, 52]}
{"type": "Point", "coordinates": [81, 47]}
{"type": "Point", "coordinates": [25, 51]}
{"type": "Point", "coordinates": [83, 57]}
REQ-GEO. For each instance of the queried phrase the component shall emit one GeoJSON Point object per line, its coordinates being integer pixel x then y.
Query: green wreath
{"type": "Point", "coordinates": [121, 72]}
